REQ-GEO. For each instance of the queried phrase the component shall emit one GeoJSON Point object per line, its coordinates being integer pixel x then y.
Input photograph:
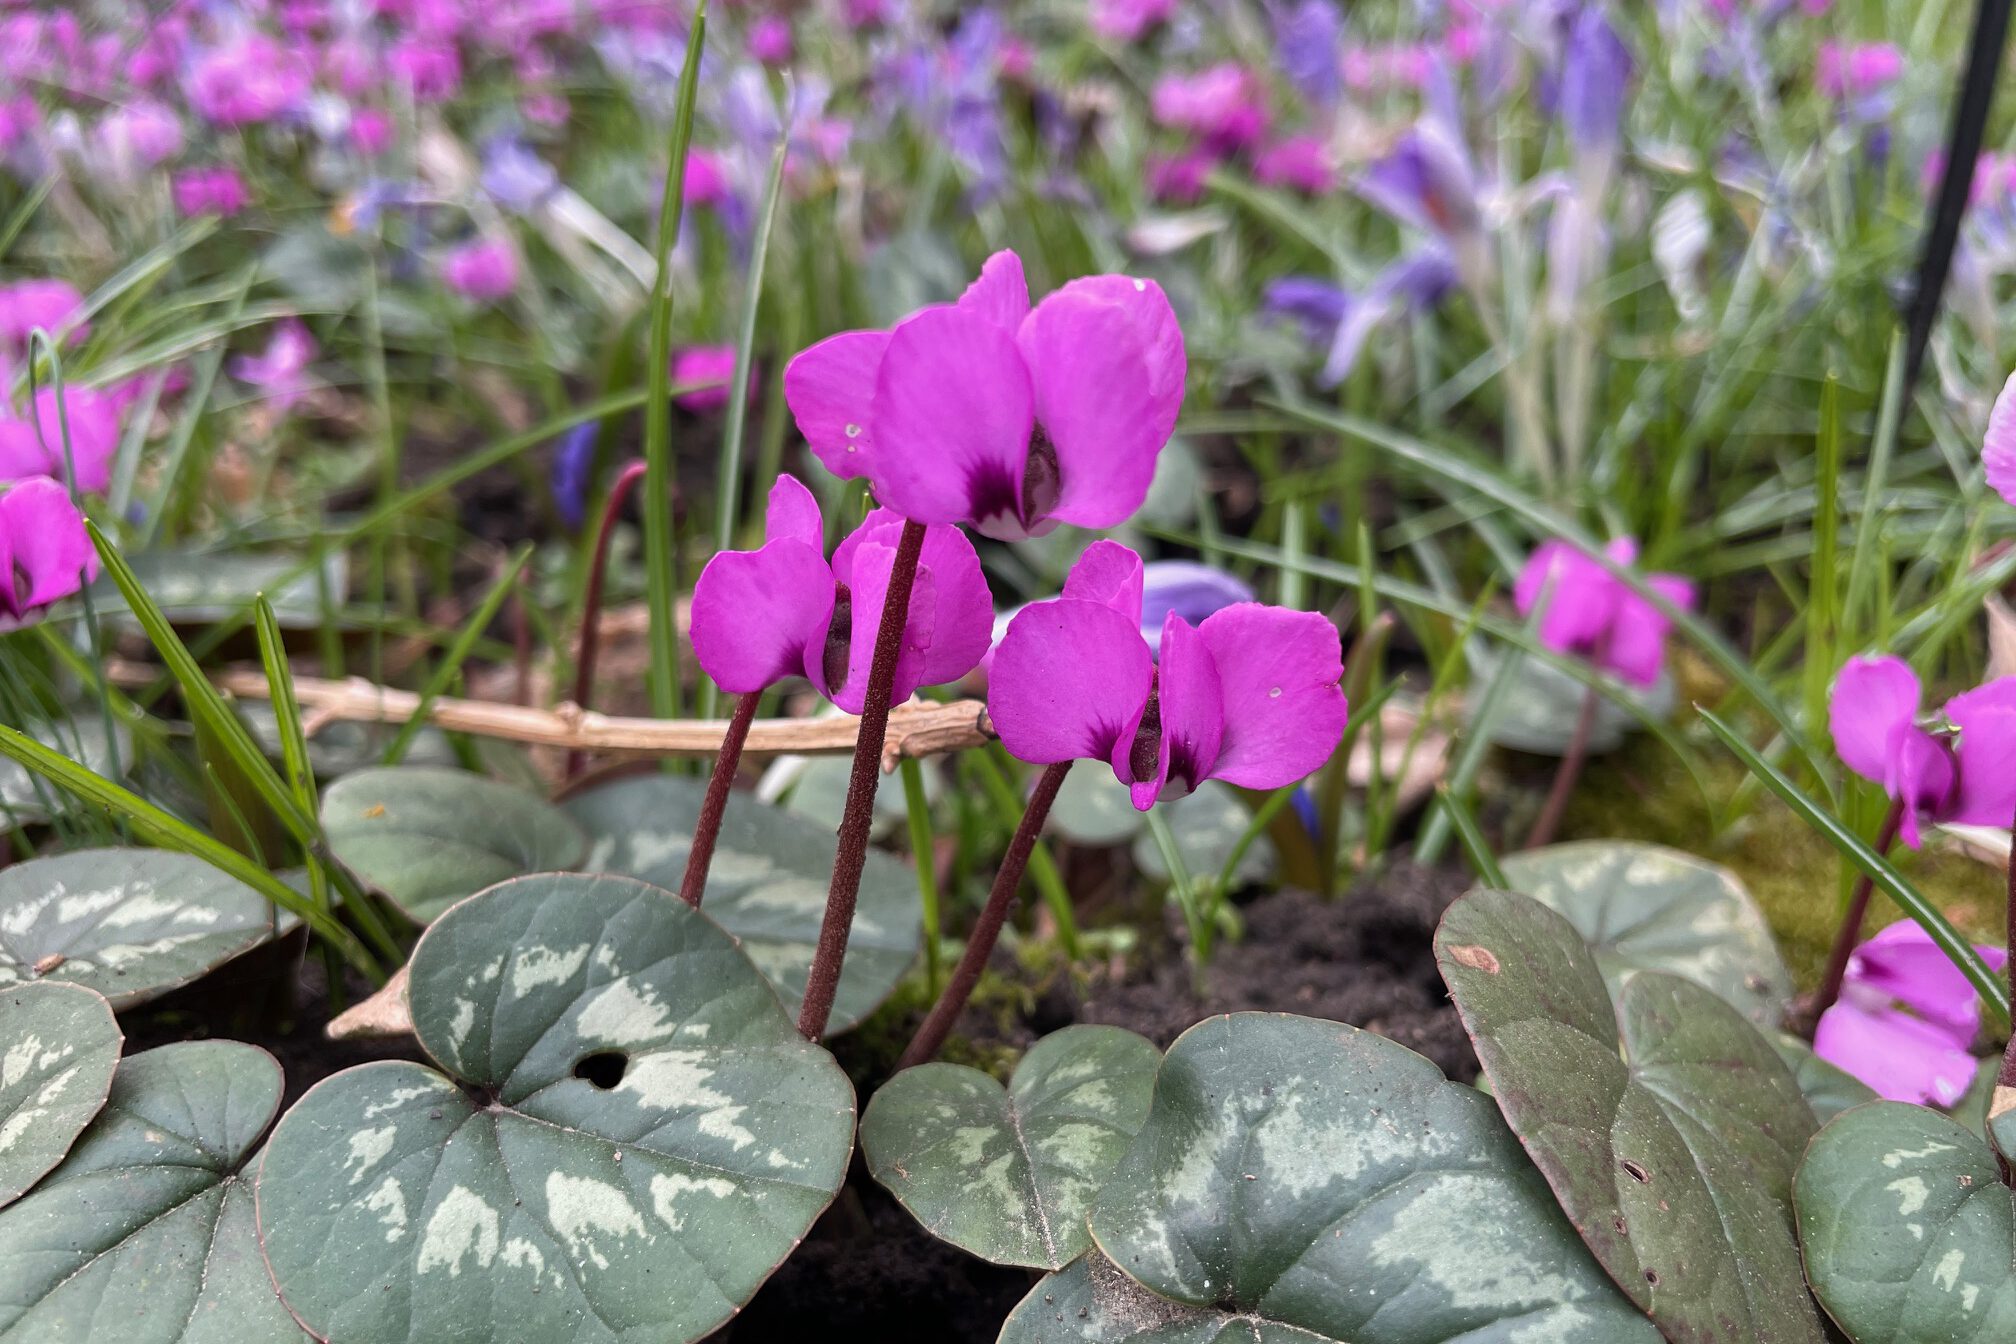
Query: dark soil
{"type": "Point", "coordinates": [868, 1272]}
{"type": "Point", "coordinates": [1367, 958]}
{"type": "Point", "coordinates": [248, 1000]}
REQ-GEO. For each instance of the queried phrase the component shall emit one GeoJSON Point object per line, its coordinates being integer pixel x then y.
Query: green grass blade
{"type": "Point", "coordinates": [728, 490]}
{"type": "Point", "coordinates": [657, 504]}
{"type": "Point", "coordinates": [1471, 836]}
{"type": "Point", "coordinates": [1879, 870]}
{"type": "Point", "coordinates": [927, 869]}
{"type": "Point", "coordinates": [171, 832]}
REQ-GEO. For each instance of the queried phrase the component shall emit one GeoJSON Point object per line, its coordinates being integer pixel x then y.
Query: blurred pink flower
{"type": "Point", "coordinates": [213, 190]}
{"type": "Point", "coordinates": [46, 303]}
{"type": "Point", "coordinates": [280, 371]}
{"type": "Point", "coordinates": [45, 554]}
{"type": "Point", "coordinates": [784, 610]}
{"type": "Point", "coordinates": [485, 270]}
{"type": "Point", "coordinates": [770, 40]}
{"type": "Point", "coordinates": [1127, 20]}
{"type": "Point", "coordinates": [706, 183]}
{"type": "Point", "coordinates": [1178, 179]}
{"type": "Point", "coordinates": [1300, 163]}
{"type": "Point", "coordinates": [1906, 1018]}
{"type": "Point", "coordinates": [1249, 696]}
{"type": "Point", "coordinates": [710, 368]}
{"type": "Point", "coordinates": [1998, 447]}
{"type": "Point", "coordinates": [253, 79]}
{"type": "Point", "coordinates": [1874, 718]}
{"type": "Point", "coordinates": [1590, 612]}
{"type": "Point", "coordinates": [1857, 68]}
{"type": "Point", "coordinates": [34, 447]}
{"type": "Point", "coordinates": [991, 413]}
{"type": "Point", "coordinates": [1225, 105]}
{"type": "Point", "coordinates": [371, 130]}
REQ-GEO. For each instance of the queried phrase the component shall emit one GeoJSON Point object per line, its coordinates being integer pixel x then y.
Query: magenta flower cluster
{"type": "Point", "coordinates": [1011, 419]}
{"type": "Point", "coordinates": [45, 554]}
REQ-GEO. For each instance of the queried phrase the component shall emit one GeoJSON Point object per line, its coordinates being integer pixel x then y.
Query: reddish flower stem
{"type": "Point", "coordinates": [708, 828]}
{"type": "Point", "coordinates": [930, 1037]}
{"type": "Point", "coordinates": [1567, 773]}
{"type": "Point", "coordinates": [591, 606]}
{"type": "Point", "coordinates": [852, 854]}
{"type": "Point", "coordinates": [1850, 932]}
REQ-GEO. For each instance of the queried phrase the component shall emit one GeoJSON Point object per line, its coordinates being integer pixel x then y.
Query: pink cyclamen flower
{"type": "Point", "coordinates": [35, 447]}
{"type": "Point", "coordinates": [706, 181]}
{"type": "Point", "coordinates": [215, 190]}
{"type": "Point", "coordinates": [1225, 105]}
{"type": "Point", "coordinates": [45, 554]}
{"type": "Point", "coordinates": [785, 610]}
{"type": "Point", "coordinates": [1250, 695]}
{"type": "Point", "coordinates": [280, 371]}
{"type": "Point", "coordinates": [1874, 718]}
{"type": "Point", "coordinates": [1998, 449]}
{"type": "Point", "coordinates": [1906, 1018]}
{"type": "Point", "coordinates": [770, 40]}
{"type": "Point", "coordinates": [1127, 20]}
{"type": "Point", "coordinates": [485, 270]}
{"type": "Point", "coordinates": [48, 304]}
{"type": "Point", "coordinates": [990, 413]}
{"type": "Point", "coordinates": [1593, 614]}
{"type": "Point", "coordinates": [1300, 163]}
{"type": "Point", "coordinates": [708, 369]}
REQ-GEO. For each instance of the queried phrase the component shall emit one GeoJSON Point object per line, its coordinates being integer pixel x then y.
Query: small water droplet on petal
{"type": "Point", "coordinates": [1140, 286]}
{"type": "Point", "coordinates": [853, 431]}
{"type": "Point", "coordinates": [1274, 694]}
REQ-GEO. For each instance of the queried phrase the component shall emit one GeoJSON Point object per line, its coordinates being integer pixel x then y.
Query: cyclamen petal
{"type": "Point", "coordinates": [45, 553]}
{"type": "Point", "coordinates": [755, 613]}
{"type": "Point", "coordinates": [1110, 574]}
{"type": "Point", "coordinates": [1872, 699]}
{"type": "Point", "coordinates": [1001, 294]}
{"type": "Point", "coordinates": [829, 389]}
{"type": "Point", "coordinates": [1986, 718]}
{"type": "Point", "coordinates": [952, 415]}
{"type": "Point", "coordinates": [1068, 682]}
{"type": "Point", "coordinates": [1096, 401]}
{"type": "Point", "coordinates": [1901, 1057]}
{"type": "Point", "coordinates": [793, 514]}
{"type": "Point", "coordinates": [1280, 673]}
{"type": "Point", "coordinates": [1177, 734]}
{"type": "Point", "coordinates": [1998, 450]}
{"type": "Point", "coordinates": [1901, 962]}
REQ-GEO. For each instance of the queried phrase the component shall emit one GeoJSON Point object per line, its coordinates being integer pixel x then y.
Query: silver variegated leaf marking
{"type": "Point", "coordinates": [630, 1135]}
{"type": "Point", "coordinates": [58, 1047]}
{"type": "Point", "coordinates": [1008, 1173]}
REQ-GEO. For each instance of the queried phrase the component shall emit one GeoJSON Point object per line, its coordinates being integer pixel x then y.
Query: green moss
{"type": "Point", "coordinates": [1795, 874]}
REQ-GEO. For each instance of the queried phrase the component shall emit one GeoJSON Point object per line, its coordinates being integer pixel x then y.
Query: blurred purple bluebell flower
{"type": "Point", "coordinates": [1344, 320]}
{"type": "Point", "coordinates": [1426, 182]}
{"type": "Point", "coordinates": [1307, 36]}
{"type": "Point", "coordinates": [573, 466]}
{"type": "Point", "coordinates": [516, 177]}
{"type": "Point", "coordinates": [1596, 70]}
{"type": "Point", "coordinates": [1191, 590]}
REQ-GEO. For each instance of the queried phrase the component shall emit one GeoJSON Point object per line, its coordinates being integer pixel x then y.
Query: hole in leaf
{"type": "Point", "coordinates": [1636, 1172]}
{"type": "Point", "coordinates": [1652, 1277]}
{"type": "Point", "coordinates": [604, 1068]}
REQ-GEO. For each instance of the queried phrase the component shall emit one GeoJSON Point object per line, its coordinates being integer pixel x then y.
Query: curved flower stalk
{"type": "Point", "coordinates": [1591, 613]}
{"type": "Point", "coordinates": [1906, 1019]}
{"type": "Point", "coordinates": [45, 553]}
{"type": "Point", "coordinates": [1250, 696]}
{"type": "Point", "coordinates": [897, 607]}
{"type": "Point", "coordinates": [1957, 770]}
{"type": "Point", "coordinates": [989, 412]}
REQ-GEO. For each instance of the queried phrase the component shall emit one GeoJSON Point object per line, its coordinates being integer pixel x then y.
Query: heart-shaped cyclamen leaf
{"type": "Point", "coordinates": [1828, 1090]}
{"type": "Point", "coordinates": [1323, 1178]}
{"type": "Point", "coordinates": [145, 1233]}
{"type": "Point", "coordinates": [767, 884]}
{"type": "Point", "coordinates": [1092, 1302]}
{"type": "Point", "coordinates": [58, 1047]}
{"type": "Point", "coordinates": [428, 837]}
{"type": "Point", "coordinates": [649, 1135]}
{"type": "Point", "coordinates": [129, 923]}
{"type": "Point", "coordinates": [1008, 1173]}
{"type": "Point", "coordinates": [1675, 1162]}
{"type": "Point", "coordinates": [1907, 1229]}
{"type": "Point", "coordinates": [1647, 907]}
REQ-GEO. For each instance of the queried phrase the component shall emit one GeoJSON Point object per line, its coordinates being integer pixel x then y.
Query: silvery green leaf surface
{"type": "Point", "coordinates": [627, 1136]}
{"type": "Point", "coordinates": [1091, 1302]}
{"type": "Point", "coordinates": [58, 1047]}
{"type": "Point", "coordinates": [767, 885]}
{"type": "Point", "coordinates": [1008, 1173]}
{"type": "Point", "coordinates": [1207, 825]}
{"type": "Point", "coordinates": [1675, 1160]}
{"type": "Point", "coordinates": [26, 798]}
{"type": "Point", "coordinates": [1828, 1090]}
{"type": "Point", "coordinates": [1323, 1179]}
{"type": "Point", "coordinates": [1647, 907]}
{"type": "Point", "coordinates": [1093, 808]}
{"type": "Point", "coordinates": [129, 923]}
{"type": "Point", "coordinates": [203, 586]}
{"type": "Point", "coordinates": [1907, 1229]}
{"type": "Point", "coordinates": [145, 1234]}
{"type": "Point", "coordinates": [428, 837]}
{"type": "Point", "coordinates": [1540, 708]}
